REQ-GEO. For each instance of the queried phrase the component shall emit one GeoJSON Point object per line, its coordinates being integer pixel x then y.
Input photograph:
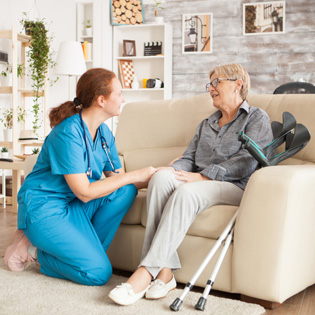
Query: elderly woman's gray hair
{"type": "Point", "coordinates": [234, 71]}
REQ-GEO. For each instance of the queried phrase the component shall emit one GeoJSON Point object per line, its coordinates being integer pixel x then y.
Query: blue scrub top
{"type": "Point", "coordinates": [63, 152]}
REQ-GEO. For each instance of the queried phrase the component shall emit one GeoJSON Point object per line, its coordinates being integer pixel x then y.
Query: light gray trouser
{"type": "Point", "coordinates": [172, 207]}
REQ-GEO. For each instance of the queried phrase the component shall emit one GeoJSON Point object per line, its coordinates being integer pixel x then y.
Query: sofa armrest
{"type": "Point", "coordinates": [274, 256]}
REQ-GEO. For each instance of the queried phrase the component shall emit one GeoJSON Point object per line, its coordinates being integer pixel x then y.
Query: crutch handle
{"type": "Point", "coordinates": [257, 154]}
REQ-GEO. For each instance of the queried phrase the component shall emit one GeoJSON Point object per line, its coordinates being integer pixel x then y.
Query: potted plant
{"type": "Point", "coordinates": [40, 59]}
{"type": "Point", "coordinates": [6, 118]}
{"type": "Point", "coordinates": [35, 151]}
{"type": "Point", "coordinates": [158, 19]}
{"type": "Point", "coordinates": [4, 152]}
{"type": "Point", "coordinates": [88, 28]}
{"type": "Point", "coordinates": [6, 78]}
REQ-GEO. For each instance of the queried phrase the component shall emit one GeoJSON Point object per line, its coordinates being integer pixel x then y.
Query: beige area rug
{"type": "Point", "coordinates": [30, 292]}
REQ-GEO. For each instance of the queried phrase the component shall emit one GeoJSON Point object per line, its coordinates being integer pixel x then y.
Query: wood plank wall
{"type": "Point", "coordinates": [271, 60]}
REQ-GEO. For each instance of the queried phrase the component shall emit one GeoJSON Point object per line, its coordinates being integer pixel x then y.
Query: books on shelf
{"type": "Point", "coordinates": [87, 50]}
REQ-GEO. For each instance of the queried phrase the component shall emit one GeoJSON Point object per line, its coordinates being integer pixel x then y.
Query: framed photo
{"type": "Point", "coordinates": [127, 73]}
{"type": "Point", "coordinates": [129, 48]}
{"type": "Point", "coordinates": [197, 33]}
{"type": "Point", "coordinates": [260, 18]}
{"type": "Point", "coordinates": [126, 12]}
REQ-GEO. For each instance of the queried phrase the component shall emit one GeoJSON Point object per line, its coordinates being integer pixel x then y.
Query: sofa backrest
{"type": "Point", "coordinates": [155, 132]}
{"type": "Point", "coordinates": [302, 107]}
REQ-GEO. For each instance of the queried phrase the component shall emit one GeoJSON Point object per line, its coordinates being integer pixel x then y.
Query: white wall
{"type": "Point", "coordinates": [60, 16]}
{"type": "Point", "coordinates": [270, 59]}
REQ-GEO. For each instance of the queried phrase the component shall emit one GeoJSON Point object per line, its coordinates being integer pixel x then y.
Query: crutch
{"type": "Point", "coordinates": [178, 301]}
{"type": "Point", "coordinates": [295, 136]}
{"type": "Point", "coordinates": [203, 299]}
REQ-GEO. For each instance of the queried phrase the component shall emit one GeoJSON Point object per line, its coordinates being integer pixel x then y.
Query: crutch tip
{"type": "Point", "coordinates": [201, 304]}
{"type": "Point", "coordinates": [176, 305]}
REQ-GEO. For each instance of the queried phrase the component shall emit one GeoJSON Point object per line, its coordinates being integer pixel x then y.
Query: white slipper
{"type": "Point", "coordinates": [158, 289]}
{"type": "Point", "coordinates": [124, 295]}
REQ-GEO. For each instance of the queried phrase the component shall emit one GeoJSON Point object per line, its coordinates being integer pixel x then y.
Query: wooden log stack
{"type": "Point", "coordinates": [127, 12]}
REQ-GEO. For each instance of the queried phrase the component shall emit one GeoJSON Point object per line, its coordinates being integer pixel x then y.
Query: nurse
{"type": "Point", "coordinates": [67, 215]}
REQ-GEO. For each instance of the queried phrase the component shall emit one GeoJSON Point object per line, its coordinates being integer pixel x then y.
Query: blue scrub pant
{"type": "Point", "coordinates": [72, 242]}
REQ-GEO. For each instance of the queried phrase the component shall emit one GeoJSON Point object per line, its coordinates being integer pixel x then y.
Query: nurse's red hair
{"type": "Point", "coordinates": [92, 83]}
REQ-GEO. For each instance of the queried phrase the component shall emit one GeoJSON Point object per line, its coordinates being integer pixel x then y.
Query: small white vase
{"type": "Point", "coordinates": [6, 81]}
{"type": "Point", "coordinates": [7, 135]}
{"type": "Point", "coordinates": [89, 31]}
{"type": "Point", "coordinates": [135, 83]}
{"type": "Point", "coordinates": [5, 155]}
{"type": "Point", "coordinates": [159, 19]}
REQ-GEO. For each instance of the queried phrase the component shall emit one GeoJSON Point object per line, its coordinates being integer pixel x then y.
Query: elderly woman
{"type": "Point", "coordinates": [213, 170]}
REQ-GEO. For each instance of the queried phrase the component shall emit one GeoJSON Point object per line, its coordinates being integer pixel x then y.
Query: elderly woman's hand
{"type": "Point", "coordinates": [189, 177]}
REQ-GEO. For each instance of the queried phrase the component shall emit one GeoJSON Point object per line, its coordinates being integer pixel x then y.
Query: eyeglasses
{"type": "Point", "coordinates": [216, 82]}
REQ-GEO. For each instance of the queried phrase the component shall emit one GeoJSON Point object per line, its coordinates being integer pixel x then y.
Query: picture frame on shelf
{"type": "Point", "coordinates": [126, 12]}
{"type": "Point", "coordinates": [262, 18]}
{"type": "Point", "coordinates": [197, 33]}
{"type": "Point", "coordinates": [127, 73]}
{"type": "Point", "coordinates": [129, 48]}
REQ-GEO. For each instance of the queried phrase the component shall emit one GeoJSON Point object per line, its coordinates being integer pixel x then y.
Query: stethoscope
{"type": "Point", "coordinates": [104, 145]}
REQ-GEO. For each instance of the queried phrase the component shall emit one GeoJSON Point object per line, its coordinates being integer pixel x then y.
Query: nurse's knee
{"type": "Point", "coordinates": [98, 274]}
{"type": "Point", "coordinates": [128, 193]}
{"type": "Point", "coordinates": [130, 190]}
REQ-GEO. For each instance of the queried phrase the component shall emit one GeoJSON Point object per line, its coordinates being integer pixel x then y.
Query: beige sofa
{"type": "Point", "coordinates": [273, 256]}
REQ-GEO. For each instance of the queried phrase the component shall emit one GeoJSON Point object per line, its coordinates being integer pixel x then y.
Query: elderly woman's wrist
{"type": "Point", "coordinates": [205, 177]}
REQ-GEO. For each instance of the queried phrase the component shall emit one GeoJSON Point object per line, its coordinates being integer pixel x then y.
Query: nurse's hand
{"type": "Point", "coordinates": [144, 175]}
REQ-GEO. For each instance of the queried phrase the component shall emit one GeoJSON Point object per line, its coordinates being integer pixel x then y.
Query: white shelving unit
{"type": "Point", "coordinates": [94, 10]}
{"type": "Point", "coordinates": [84, 13]}
{"type": "Point", "coordinates": [19, 93]}
{"type": "Point", "coordinates": [145, 67]}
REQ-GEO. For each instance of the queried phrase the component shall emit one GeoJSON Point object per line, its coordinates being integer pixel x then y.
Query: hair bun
{"type": "Point", "coordinates": [76, 102]}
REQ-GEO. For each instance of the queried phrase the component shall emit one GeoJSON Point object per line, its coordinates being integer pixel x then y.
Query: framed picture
{"type": "Point", "coordinates": [129, 48]}
{"type": "Point", "coordinates": [197, 33]}
{"type": "Point", "coordinates": [260, 18]}
{"type": "Point", "coordinates": [127, 73]}
{"type": "Point", "coordinates": [126, 12]}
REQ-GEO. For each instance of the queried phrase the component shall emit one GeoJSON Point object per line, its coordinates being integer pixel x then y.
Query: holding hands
{"type": "Point", "coordinates": [186, 177]}
{"type": "Point", "coordinates": [145, 174]}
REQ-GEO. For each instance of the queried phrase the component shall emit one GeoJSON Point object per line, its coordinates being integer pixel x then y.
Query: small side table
{"type": "Point", "coordinates": [17, 166]}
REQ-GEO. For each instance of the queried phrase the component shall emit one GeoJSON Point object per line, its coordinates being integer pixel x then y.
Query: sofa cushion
{"type": "Point", "coordinates": [210, 223]}
{"type": "Point", "coordinates": [133, 216]}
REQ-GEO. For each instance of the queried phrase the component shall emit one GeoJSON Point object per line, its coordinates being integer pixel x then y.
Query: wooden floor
{"type": "Point", "coordinates": [300, 304]}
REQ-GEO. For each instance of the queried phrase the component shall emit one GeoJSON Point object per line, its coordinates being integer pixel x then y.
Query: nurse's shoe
{"type": "Point", "coordinates": [16, 254]}
{"type": "Point", "coordinates": [124, 295]}
{"type": "Point", "coordinates": [158, 289]}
